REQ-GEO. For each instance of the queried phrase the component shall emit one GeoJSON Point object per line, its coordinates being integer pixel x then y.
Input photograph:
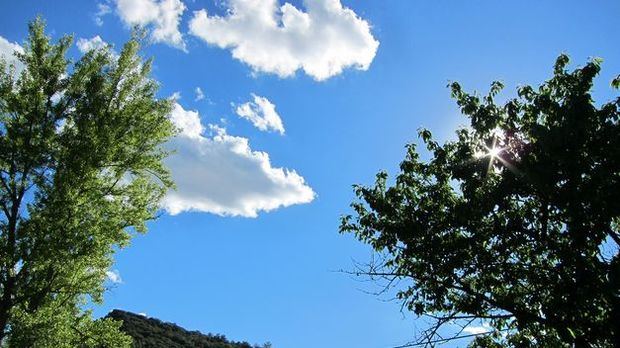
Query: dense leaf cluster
{"type": "Point", "coordinates": [80, 168]}
{"type": "Point", "coordinates": [516, 222]}
{"type": "Point", "coordinates": [153, 333]}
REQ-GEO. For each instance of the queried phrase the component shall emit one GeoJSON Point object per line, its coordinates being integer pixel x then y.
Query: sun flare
{"type": "Point", "coordinates": [494, 151]}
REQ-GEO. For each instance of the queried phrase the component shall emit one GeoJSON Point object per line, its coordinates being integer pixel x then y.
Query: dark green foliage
{"type": "Point", "coordinates": [153, 333]}
{"type": "Point", "coordinates": [80, 168]}
{"type": "Point", "coordinates": [517, 222]}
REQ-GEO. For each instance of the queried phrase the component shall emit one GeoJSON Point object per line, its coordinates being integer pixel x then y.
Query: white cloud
{"type": "Point", "coordinates": [220, 173]}
{"type": "Point", "coordinates": [477, 330]}
{"type": "Point", "coordinates": [163, 15]}
{"type": "Point", "coordinates": [94, 43]}
{"type": "Point", "coordinates": [114, 276]}
{"type": "Point", "coordinates": [323, 40]}
{"type": "Point", "coordinates": [262, 113]}
{"type": "Point", "coordinates": [187, 122]}
{"type": "Point", "coordinates": [102, 10]}
{"type": "Point", "coordinates": [176, 96]}
{"type": "Point", "coordinates": [199, 94]}
{"type": "Point", "coordinates": [7, 50]}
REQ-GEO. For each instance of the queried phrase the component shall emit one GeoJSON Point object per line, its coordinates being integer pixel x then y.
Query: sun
{"type": "Point", "coordinates": [491, 152]}
{"type": "Point", "coordinates": [494, 151]}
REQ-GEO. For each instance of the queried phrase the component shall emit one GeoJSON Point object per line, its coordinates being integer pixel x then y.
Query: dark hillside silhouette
{"type": "Point", "coordinates": [153, 333]}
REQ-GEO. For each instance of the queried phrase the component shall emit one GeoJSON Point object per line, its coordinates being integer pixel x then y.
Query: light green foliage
{"type": "Point", "coordinates": [80, 169]}
{"type": "Point", "coordinates": [514, 223]}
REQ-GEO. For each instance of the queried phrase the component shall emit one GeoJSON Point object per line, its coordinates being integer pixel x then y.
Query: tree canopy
{"type": "Point", "coordinates": [80, 171]}
{"type": "Point", "coordinates": [516, 223]}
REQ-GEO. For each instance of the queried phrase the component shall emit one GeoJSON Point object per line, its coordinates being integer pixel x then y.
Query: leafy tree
{"type": "Point", "coordinates": [80, 170]}
{"type": "Point", "coordinates": [516, 223]}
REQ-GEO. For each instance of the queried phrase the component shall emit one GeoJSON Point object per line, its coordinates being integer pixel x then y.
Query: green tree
{"type": "Point", "coordinates": [80, 171]}
{"type": "Point", "coordinates": [516, 223]}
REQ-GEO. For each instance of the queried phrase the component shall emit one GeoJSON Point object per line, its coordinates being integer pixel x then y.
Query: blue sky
{"type": "Point", "coordinates": [229, 266]}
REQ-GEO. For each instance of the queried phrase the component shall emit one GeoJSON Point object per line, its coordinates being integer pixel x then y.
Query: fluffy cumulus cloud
{"type": "Point", "coordinates": [164, 16]}
{"type": "Point", "coordinates": [322, 40]}
{"type": "Point", "coordinates": [7, 52]}
{"type": "Point", "coordinates": [262, 113]}
{"type": "Point", "coordinates": [94, 43]}
{"type": "Point", "coordinates": [220, 174]}
{"type": "Point", "coordinates": [186, 121]}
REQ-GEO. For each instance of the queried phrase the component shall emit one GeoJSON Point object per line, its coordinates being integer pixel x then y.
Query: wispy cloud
{"type": "Point", "coordinates": [262, 113]}
{"type": "Point", "coordinates": [114, 276]}
{"type": "Point", "coordinates": [477, 330]}
{"type": "Point", "coordinates": [102, 10]}
{"type": "Point", "coordinates": [176, 96]}
{"type": "Point", "coordinates": [199, 94]}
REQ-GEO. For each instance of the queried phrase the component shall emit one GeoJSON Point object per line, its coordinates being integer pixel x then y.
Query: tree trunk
{"type": "Point", "coordinates": [8, 288]}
